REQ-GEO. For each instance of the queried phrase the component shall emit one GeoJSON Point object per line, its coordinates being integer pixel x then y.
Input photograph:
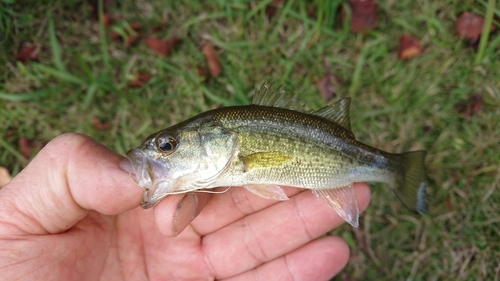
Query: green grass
{"type": "Point", "coordinates": [397, 105]}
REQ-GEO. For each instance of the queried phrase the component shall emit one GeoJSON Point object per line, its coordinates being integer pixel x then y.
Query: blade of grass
{"type": "Point", "coordinates": [54, 46]}
{"type": "Point", "coordinates": [486, 30]}
{"type": "Point", "coordinates": [28, 96]}
{"type": "Point", "coordinates": [89, 94]}
{"type": "Point", "coordinates": [102, 38]}
{"type": "Point", "coordinates": [214, 98]}
{"type": "Point", "coordinates": [13, 151]}
{"type": "Point", "coordinates": [63, 75]}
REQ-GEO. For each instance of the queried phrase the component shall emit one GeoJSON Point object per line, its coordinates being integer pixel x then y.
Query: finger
{"type": "Point", "coordinates": [70, 175]}
{"type": "Point", "coordinates": [233, 205]}
{"type": "Point", "coordinates": [318, 260]}
{"type": "Point", "coordinates": [174, 213]}
{"type": "Point", "coordinates": [273, 232]}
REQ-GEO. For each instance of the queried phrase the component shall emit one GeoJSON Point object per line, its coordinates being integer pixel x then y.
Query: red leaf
{"type": "Point", "coordinates": [408, 47]}
{"type": "Point", "coordinates": [162, 46]}
{"type": "Point", "coordinates": [471, 107]}
{"type": "Point", "coordinates": [140, 79]}
{"type": "Point", "coordinates": [273, 7]}
{"type": "Point", "coordinates": [159, 26]}
{"type": "Point", "coordinates": [328, 85]}
{"type": "Point", "coordinates": [212, 60]}
{"type": "Point", "coordinates": [135, 25]}
{"type": "Point", "coordinates": [27, 53]}
{"type": "Point", "coordinates": [107, 19]}
{"type": "Point", "coordinates": [470, 26]}
{"type": "Point", "coordinates": [27, 147]}
{"type": "Point", "coordinates": [98, 125]}
{"type": "Point", "coordinates": [203, 72]}
{"type": "Point", "coordinates": [363, 15]}
{"type": "Point", "coordinates": [131, 39]}
{"type": "Point", "coordinates": [4, 177]}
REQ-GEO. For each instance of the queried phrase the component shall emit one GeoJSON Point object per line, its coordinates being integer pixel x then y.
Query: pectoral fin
{"type": "Point", "coordinates": [343, 201]}
{"type": "Point", "coordinates": [268, 191]}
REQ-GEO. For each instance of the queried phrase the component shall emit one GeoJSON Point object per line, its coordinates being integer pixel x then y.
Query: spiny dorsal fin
{"type": "Point", "coordinates": [337, 112]}
{"type": "Point", "coordinates": [276, 97]}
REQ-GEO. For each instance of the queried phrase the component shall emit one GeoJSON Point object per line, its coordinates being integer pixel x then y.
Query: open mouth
{"type": "Point", "coordinates": [148, 173]}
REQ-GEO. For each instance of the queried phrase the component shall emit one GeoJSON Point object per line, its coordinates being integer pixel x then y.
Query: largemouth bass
{"type": "Point", "coordinates": [272, 143]}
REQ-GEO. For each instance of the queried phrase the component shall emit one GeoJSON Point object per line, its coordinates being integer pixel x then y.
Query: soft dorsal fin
{"type": "Point", "coordinates": [276, 97]}
{"type": "Point", "coordinates": [337, 112]}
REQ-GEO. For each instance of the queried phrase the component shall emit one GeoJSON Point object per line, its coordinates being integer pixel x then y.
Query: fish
{"type": "Point", "coordinates": [271, 143]}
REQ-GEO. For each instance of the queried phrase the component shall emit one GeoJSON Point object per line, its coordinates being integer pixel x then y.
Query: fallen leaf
{"type": "Point", "coordinates": [363, 15]}
{"type": "Point", "coordinates": [94, 6]}
{"type": "Point", "coordinates": [203, 72]}
{"type": "Point", "coordinates": [99, 125]}
{"type": "Point", "coordinates": [4, 177]}
{"type": "Point", "coordinates": [212, 60]}
{"type": "Point", "coordinates": [135, 25]}
{"type": "Point", "coordinates": [471, 107]}
{"type": "Point", "coordinates": [408, 47]}
{"type": "Point", "coordinates": [140, 79]}
{"type": "Point", "coordinates": [131, 39]}
{"type": "Point", "coordinates": [328, 85]}
{"type": "Point", "coordinates": [27, 147]}
{"type": "Point", "coordinates": [27, 53]}
{"type": "Point", "coordinates": [273, 7]}
{"type": "Point", "coordinates": [131, 36]}
{"type": "Point", "coordinates": [107, 19]}
{"type": "Point", "coordinates": [470, 26]}
{"type": "Point", "coordinates": [162, 46]}
{"type": "Point", "coordinates": [159, 26]}
{"type": "Point", "coordinates": [449, 206]}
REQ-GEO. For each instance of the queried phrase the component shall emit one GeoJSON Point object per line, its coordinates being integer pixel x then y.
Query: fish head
{"type": "Point", "coordinates": [180, 161]}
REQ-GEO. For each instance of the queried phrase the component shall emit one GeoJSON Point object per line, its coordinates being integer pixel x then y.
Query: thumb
{"type": "Point", "coordinates": [71, 175]}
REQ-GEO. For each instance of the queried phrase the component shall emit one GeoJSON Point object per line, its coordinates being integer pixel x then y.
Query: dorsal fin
{"type": "Point", "coordinates": [277, 97]}
{"type": "Point", "coordinates": [337, 112]}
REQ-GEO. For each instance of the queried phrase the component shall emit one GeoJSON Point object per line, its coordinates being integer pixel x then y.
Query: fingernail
{"type": "Point", "coordinates": [186, 211]}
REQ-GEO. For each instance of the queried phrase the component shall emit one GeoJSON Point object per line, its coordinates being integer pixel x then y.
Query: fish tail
{"type": "Point", "coordinates": [412, 184]}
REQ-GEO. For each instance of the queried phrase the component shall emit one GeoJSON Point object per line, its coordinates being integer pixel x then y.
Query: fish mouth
{"type": "Point", "coordinates": [147, 173]}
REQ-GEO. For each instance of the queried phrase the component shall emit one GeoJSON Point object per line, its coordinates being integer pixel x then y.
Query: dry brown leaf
{"type": "Point", "coordinates": [131, 39]}
{"type": "Point", "coordinates": [273, 7]}
{"type": "Point", "coordinates": [212, 60]}
{"type": "Point", "coordinates": [159, 26]}
{"type": "Point", "coordinates": [27, 147]}
{"type": "Point", "coordinates": [94, 6]}
{"type": "Point", "coordinates": [203, 72]}
{"type": "Point", "coordinates": [408, 47]}
{"type": "Point", "coordinates": [27, 53]}
{"type": "Point", "coordinates": [162, 46]}
{"type": "Point", "coordinates": [470, 26]}
{"type": "Point", "coordinates": [4, 177]}
{"type": "Point", "coordinates": [107, 19]}
{"type": "Point", "coordinates": [471, 107]}
{"type": "Point", "coordinates": [363, 15]}
{"type": "Point", "coordinates": [328, 85]}
{"type": "Point", "coordinates": [99, 125]}
{"type": "Point", "coordinates": [140, 79]}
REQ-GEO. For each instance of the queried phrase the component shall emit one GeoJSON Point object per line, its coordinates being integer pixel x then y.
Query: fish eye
{"type": "Point", "coordinates": [166, 143]}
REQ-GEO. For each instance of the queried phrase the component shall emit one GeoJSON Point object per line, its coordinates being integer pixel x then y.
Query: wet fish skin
{"type": "Point", "coordinates": [264, 146]}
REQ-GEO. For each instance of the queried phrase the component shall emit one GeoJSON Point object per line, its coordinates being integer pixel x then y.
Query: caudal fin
{"type": "Point", "coordinates": [411, 187]}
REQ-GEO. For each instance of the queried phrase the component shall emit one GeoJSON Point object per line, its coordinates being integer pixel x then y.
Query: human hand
{"type": "Point", "coordinates": [72, 214]}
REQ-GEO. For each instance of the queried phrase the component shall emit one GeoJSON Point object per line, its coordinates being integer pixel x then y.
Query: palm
{"type": "Point", "coordinates": [47, 234]}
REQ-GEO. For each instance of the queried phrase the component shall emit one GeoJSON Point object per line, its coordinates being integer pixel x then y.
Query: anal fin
{"type": "Point", "coordinates": [268, 191]}
{"type": "Point", "coordinates": [343, 201]}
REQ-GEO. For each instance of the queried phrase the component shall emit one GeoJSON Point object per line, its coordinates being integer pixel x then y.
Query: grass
{"type": "Point", "coordinates": [397, 105]}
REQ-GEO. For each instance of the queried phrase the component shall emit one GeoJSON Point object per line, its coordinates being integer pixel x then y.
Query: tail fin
{"type": "Point", "coordinates": [411, 187]}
